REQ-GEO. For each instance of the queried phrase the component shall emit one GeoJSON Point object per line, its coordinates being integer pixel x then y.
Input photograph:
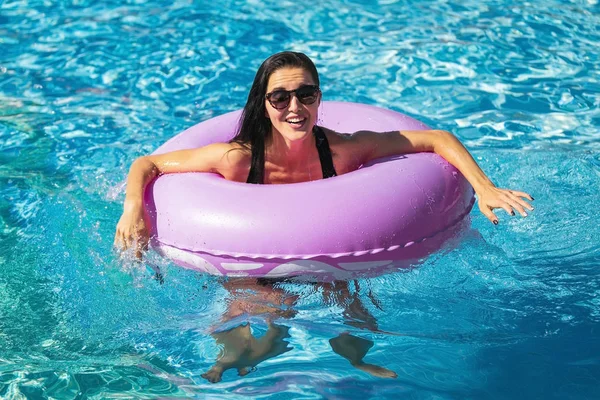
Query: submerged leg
{"type": "Point", "coordinates": [243, 351]}
{"type": "Point", "coordinates": [235, 343]}
{"type": "Point", "coordinates": [358, 316]}
{"type": "Point", "coordinates": [240, 349]}
{"type": "Point", "coordinates": [354, 349]}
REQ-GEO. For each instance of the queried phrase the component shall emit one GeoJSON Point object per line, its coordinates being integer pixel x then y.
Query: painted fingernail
{"type": "Point", "coordinates": [532, 198]}
{"type": "Point", "coordinates": [512, 213]}
{"type": "Point", "coordinates": [495, 222]}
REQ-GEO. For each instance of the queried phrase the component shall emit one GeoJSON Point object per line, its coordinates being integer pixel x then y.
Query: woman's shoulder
{"type": "Point", "coordinates": [354, 141]}
{"type": "Point", "coordinates": [231, 152]}
{"type": "Point", "coordinates": [345, 139]}
{"type": "Point", "coordinates": [234, 160]}
{"type": "Point", "coordinates": [348, 149]}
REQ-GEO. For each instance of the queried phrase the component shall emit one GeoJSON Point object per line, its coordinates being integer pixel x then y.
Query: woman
{"type": "Point", "coordinates": [279, 142]}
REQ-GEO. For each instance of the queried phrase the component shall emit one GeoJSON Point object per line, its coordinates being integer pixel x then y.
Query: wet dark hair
{"type": "Point", "coordinates": [255, 128]}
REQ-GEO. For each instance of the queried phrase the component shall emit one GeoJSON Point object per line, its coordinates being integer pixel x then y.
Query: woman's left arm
{"type": "Point", "coordinates": [450, 148]}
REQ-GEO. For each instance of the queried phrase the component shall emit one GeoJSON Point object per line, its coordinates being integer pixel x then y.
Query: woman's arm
{"type": "Point", "coordinates": [450, 148]}
{"type": "Point", "coordinates": [132, 228]}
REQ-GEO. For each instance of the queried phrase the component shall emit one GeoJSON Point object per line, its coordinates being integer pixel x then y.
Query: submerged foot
{"type": "Point", "coordinates": [213, 375]}
{"type": "Point", "coordinates": [376, 370]}
{"type": "Point", "coordinates": [354, 349]}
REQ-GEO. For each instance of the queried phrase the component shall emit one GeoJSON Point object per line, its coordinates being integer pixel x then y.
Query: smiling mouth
{"type": "Point", "coordinates": [296, 122]}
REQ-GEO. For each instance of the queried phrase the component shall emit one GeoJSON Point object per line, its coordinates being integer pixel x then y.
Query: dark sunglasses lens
{"type": "Point", "coordinates": [280, 98]}
{"type": "Point", "coordinates": [307, 94]}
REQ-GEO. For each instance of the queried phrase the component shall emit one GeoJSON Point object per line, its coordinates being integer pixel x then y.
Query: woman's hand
{"type": "Point", "coordinates": [132, 230]}
{"type": "Point", "coordinates": [510, 201]}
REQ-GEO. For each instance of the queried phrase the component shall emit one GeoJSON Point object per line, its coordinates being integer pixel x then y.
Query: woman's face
{"type": "Point", "coordinates": [296, 120]}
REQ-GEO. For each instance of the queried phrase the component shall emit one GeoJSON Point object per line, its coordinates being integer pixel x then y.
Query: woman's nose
{"type": "Point", "coordinates": [294, 103]}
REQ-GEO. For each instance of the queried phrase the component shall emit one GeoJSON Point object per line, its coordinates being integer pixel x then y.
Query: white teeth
{"type": "Point", "coordinates": [295, 120]}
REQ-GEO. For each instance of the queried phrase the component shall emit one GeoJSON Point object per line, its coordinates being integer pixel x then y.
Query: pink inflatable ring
{"type": "Point", "coordinates": [390, 213]}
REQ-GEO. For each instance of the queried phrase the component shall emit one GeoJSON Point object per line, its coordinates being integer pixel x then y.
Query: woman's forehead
{"type": "Point", "coordinates": [289, 79]}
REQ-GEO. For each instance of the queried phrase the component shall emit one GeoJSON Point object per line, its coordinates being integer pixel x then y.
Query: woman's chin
{"type": "Point", "coordinates": [295, 134]}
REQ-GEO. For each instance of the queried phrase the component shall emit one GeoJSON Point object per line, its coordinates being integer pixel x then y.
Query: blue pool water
{"type": "Point", "coordinates": [85, 87]}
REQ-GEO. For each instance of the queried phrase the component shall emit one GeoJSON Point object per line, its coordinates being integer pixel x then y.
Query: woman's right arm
{"type": "Point", "coordinates": [132, 228]}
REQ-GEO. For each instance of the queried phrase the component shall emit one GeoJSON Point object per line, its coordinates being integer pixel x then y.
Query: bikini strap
{"type": "Point", "coordinates": [325, 155]}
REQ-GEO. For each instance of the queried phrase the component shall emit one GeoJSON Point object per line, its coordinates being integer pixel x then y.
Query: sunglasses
{"type": "Point", "coordinates": [306, 95]}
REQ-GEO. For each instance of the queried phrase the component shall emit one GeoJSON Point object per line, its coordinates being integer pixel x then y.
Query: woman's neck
{"type": "Point", "coordinates": [290, 155]}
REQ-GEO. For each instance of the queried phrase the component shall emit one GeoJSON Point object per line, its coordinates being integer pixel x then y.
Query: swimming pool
{"type": "Point", "coordinates": [513, 312]}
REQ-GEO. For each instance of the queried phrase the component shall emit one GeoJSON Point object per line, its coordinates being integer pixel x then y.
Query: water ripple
{"type": "Point", "coordinates": [85, 87]}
